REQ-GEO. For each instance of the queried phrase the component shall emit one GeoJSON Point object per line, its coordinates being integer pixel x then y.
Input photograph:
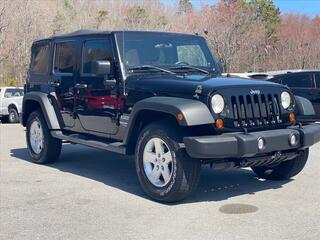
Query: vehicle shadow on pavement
{"type": "Point", "coordinates": [118, 171]}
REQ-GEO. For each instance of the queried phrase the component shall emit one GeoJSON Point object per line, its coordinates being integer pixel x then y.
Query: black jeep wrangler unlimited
{"type": "Point", "coordinates": [160, 97]}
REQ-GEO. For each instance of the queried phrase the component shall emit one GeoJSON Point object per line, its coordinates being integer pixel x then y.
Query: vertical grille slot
{"type": "Point", "coordinates": [256, 110]}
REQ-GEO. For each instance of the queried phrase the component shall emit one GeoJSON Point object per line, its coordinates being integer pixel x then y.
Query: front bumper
{"type": "Point", "coordinates": [241, 145]}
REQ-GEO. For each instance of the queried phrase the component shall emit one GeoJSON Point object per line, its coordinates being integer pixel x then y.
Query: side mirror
{"type": "Point", "coordinates": [101, 68]}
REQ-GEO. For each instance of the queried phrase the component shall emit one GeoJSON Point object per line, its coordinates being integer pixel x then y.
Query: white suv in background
{"type": "Point", "coordinates": [10, 103]}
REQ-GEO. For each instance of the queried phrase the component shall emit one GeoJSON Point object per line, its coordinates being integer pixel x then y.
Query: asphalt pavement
{"type": "Point", "coordinates": [92, 194]}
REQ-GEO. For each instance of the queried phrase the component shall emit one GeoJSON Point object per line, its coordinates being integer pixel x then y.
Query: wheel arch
{"type": "Point", "coordinates": [304, 106]}
{"type": "Point", "coordinates": [13, 105]}
{"type": "Point", "coordinates": [166, 108]}
{"type": "Point", "coordinates": [43, 102]}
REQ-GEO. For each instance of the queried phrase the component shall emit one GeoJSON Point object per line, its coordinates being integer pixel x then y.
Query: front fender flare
{"type": "Point", "coordinates": [304, 106]}
{"type": "Point", "coordinates": [195, 112]}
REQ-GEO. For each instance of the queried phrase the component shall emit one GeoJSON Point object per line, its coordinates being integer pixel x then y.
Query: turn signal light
{"type": "Point", "coordinates": [180, 117]}
{"type": "Point", "coordinates": [219, 123]}
{"type": "Point", "coordinates": [292, 117]}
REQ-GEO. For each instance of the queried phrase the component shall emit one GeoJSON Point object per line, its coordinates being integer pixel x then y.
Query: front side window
{"type": "Point", "coordinates": [12, 92]}
{"type": "Point", "coordinates": [95, 50]}
{"type": "Point", "coordinates": [65, 57]}
{"type": "Point", "coordinates": [298, 80]}
{"type": "Point", "coordinates": [318, 80]}
{"type": "Point", "coordinates": [40, 58]}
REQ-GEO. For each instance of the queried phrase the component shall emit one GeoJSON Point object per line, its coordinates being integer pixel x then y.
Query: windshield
{"type": "Point", "coordinates": [142, 50]}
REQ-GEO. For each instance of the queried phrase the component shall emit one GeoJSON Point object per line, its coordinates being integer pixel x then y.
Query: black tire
{"type": "Point", "coordinates": [51, 146]}
{"type": "Point", "coordinates": [185, 171]}
{"type": "Point", "coordinates": [284, 170]}
{"type": "Point", "coordinates": [13, 116]}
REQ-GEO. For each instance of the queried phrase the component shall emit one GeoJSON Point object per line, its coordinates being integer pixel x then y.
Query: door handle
{"type": "Point", "coordinates": [80, 86]}
{"type": "Point", "coordinates": [55, 84]}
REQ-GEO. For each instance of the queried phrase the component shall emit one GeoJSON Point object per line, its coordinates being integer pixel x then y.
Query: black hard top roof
{"type": "Point", "coordinates": [88, 32]}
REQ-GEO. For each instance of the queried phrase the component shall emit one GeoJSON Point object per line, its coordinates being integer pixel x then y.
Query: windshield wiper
{"type": "Point", "coordinates": [146, 67]}
{"type": "Point", "coordinates": [190, 67]}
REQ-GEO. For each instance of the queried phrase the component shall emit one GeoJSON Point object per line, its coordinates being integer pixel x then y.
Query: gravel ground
{"type": "Point", "coordinates": [92, 194]}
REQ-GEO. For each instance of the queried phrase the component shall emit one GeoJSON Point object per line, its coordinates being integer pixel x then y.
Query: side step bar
{"type": "Point", "coordinates": [117, 147]}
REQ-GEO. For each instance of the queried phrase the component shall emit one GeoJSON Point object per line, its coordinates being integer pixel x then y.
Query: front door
{"type": "Point", "coordinates": [63, 79]}
{"type": "Point", "coordinates": [96, 106]}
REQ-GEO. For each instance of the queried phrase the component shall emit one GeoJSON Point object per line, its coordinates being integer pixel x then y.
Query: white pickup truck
{"type": "Point", "coordinates": [10, 103]}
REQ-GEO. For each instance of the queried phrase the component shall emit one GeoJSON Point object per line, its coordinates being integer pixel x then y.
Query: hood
{"type": "Point", "coordinates": [187, 86]}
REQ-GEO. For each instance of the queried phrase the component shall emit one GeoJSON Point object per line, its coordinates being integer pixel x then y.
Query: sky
{"type": "Point", "coordinates": [307, 7]}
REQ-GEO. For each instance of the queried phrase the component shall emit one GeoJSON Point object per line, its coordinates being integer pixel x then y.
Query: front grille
{"type": "Point", "coordinates": [256, 110]}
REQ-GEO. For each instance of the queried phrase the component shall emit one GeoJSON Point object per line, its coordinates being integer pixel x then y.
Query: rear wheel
{"type": "Point", "coordinates": [284, 170]}
{"type": "Point", "coordinates": [42, 147]}
{"type": "Point", "coordinates": [13, 116]}
{"type": "Point", "coordinates": [166, 173]}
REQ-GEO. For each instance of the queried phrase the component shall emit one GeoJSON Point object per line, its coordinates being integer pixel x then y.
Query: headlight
{"type": "Point", "coordinates": [217, 103]}
{"type": "Point", "coordinates": [285, 100]}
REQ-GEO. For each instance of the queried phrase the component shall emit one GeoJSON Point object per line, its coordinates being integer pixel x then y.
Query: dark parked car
{"type": "Point", "coordinates": [160, 97]}
{"type": "Point", "coordinates": [305, 83]}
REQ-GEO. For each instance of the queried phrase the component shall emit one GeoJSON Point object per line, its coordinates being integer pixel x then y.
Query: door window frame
{"type": "Point", "coordinates": [316, 84]}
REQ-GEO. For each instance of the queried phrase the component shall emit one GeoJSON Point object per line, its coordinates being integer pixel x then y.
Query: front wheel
{"type": "Point", "coordinates": [166, 173]}
{"type": "Point", "coordinates": [42, 147]}
{"type": "Point", "coordinates": [284, 170]}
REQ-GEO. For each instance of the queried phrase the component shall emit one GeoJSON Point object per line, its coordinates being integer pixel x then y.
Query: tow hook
{"type": "Point", "coordinates": [276, 156]}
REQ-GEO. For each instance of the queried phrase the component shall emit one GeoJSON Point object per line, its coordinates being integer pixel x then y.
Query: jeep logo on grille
{"type": "Point", "coordinates": [255, 92]}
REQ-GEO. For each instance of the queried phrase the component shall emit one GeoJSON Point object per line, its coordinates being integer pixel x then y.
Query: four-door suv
{"type": "Point", "coordinates": [10, 103]}
{"type": "Point", "coordinates": [160, 97]}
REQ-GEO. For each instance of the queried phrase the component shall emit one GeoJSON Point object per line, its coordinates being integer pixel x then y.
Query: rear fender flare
{"type": "Point", "coordinates": [47, 108]}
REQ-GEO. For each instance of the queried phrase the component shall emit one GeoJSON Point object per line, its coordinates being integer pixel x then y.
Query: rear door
{"type": "Point", "coordinates": [65, 66]}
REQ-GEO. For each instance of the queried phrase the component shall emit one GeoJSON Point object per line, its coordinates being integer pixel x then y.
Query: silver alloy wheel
{"type": "Point", "coordinates": [157, 162]}
{"type": "Point", "coordinates": [12, 116]}
{"type": "Point", "coordinates": [36, 137]}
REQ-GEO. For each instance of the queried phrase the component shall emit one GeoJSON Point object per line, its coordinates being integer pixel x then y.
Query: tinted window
{"type": "Point", "coordinates": [40, 59]}
{"type": "Point", "coordinates": [298, 80]}
{"type": "Point", "coordinates": [12, 92]}
{"type": "Point", "coordinates": [318, 80]}
{"type": "Point", "coordinates": [65, 57]}
{"type": "Point", "coordinates": [95, 50]}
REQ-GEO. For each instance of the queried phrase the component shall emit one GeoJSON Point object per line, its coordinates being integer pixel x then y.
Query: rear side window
{"type": "Point", "coordinates": [298, 80]}
{"type": "Point", "coordinates": [94, 50]}
{"type": "Point", "coordinates": [40, 58]}
{"type": "Point", "coordinates": [65, 57]}
{"type": "Point", "coordinates": [318, 80]}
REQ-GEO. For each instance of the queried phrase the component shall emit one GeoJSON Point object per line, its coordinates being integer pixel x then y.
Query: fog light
{"type": "Point", "coordinates": [261, 143]}
{"type": "Point", "coordinates": [293, 139]}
